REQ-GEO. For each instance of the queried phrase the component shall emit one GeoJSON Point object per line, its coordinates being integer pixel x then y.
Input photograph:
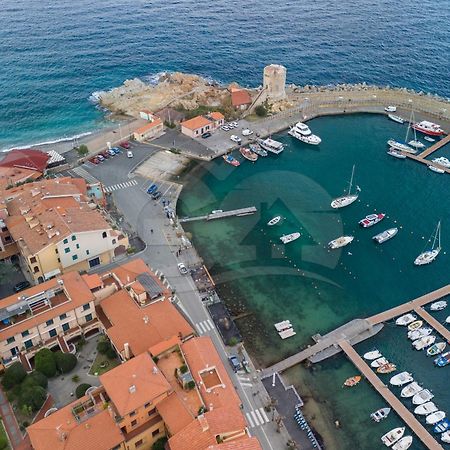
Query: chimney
{"type": "Point", "coordinates": [145, 318]}
{"type": "Point", "coordinates": [154, 370]}
{"type": "Point", "coordinates": [132, 389]}
{"type": "Point", "coordinates": [203, 422]}
{"type": "Point", "coordinates": [126, 349]}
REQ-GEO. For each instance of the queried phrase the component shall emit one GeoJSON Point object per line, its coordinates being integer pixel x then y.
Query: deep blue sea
{"type": "Point", "coordinates": [55, 53]}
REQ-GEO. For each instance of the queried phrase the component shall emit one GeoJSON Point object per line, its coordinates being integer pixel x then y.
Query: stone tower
{"type": "Point", "coordinates": [275, 82]}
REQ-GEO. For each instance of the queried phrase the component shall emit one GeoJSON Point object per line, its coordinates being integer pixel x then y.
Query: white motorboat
{"type": "Point", "coordinates": [424, 342]}
{"type": "Point", "coordinates": [287, 333]}
{"type": "Point", "coordinates": [348, 199]}
{"type": "Point", "coordinates": [415, 325]}
{"type": "Point", "coordinates": [374, 354]}
{"type": "Point", "coordinates": [396, 118]}
{"type": "Point", "coordinates": [390, 108]}
{"type": "Point", "coordinates": [274, 221]}
{"type": "Point", "coordinates": [403, 444]}
{"type": "Point", "coordinates": [431, 254]}
{"type": "Point", "coordinates": [422, 397]}
{"type": "Point", "coordinates": [438, 306]}
{"type": "Point", "coordinates": [419, 333]}
{"type": "Point", "coordinates": [286, 238]}
{"type": "Point", "coordinates": [445, 437]}
{"type": "Point", "coordinates": [436, 169]}
{"type": "Point", "coordinates": [436, 349]}
{"type": "Point", "coordinates": [271, 145]}
{"type": "Point", "coordinates": [371, 220]}
{"type": "Point", "coordinates": [416, 144]}
{"type": "Point", "coordinates": [425, 409]}
{"type": "Point", "coordinates": [284, 325]}
{"type": "Point", "coordinates": [391, 437]}
{"type": "Point", "coordinates": [442, 161]}
{"type": "Point", "coordinates": [406, 319]}
{"type": "Point", "coordinates": [429, 139]}
{"type": "Point", "coordinates": [302, 132]}
{"type": "Point", "coordinates": [401, 379]}
{"type": "Point", "coordinates": [436, 417]}
{"type": "Point", "coordinates": [396, 153]}
{"type": "Point", "coordinates": [340, 242]}
{"type": "Point", "coordinates": [379, 362]}
{"type": "Point", "coordinates": [380, 414]}
{"type": "Point", "coordinates": [401, 146]}
{"type": "Point", "coordinates": [411, 390]}
{"type": "Point", "coordinates": [385, 235]}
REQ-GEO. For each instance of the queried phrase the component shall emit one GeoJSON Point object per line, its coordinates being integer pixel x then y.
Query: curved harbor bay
{"type": "Point", "coordinates": [263, 281]}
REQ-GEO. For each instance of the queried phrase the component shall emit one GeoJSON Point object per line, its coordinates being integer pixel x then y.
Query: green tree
{"type": "Point", "coordinates": [111, 353]}
{"type": "Point", "coordinates": [81, 389]}
{"type": "Point", "coordinates": [160, 444]}
{"type": "Point", "coordinates": [14, 375]}
{"type": "Point", "coordinates": [3, 443]}
{"type": "Point", "coordinates": [45, 362]}
{"type": "Point", "coordinates": [65, 362]}
{"type": "Point", "coordinates": [261, 111]}
{"type": "Point", "coordinates": [36, 379]}
{"type": "Point", "coordinates": [6, 271]}
{"type": "Point", "coordinates": [82, 150]}
{"type": "Point", "coordinates": [103, 346]}
{"type": "Point", "coordinates": [32, 397]}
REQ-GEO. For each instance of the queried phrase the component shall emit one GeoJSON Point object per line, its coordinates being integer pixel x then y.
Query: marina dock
{"type": "Point", "coordinates": [222, 214]}
{"type": "Point", "coordinates": [407, 416]}
{"type": "Point", "coordinates": [430, 150]}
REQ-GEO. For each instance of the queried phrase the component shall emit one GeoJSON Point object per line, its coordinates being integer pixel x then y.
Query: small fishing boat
{"type": "Point", "coordinates": [423, 342]}
{"type": "Point", "coordinates": [445, 437]}
{"type": "Point", "coordinates": [438, 306]}
{"type": "Point", "coordinates": [385, 235]}
{"type": "Point", "coordinates": [340, 242]}
{"type": "Point", "coordinates": [348, 199]}
{"type": "Point", "coordinates": [387, 368]}
{"type": "Point", "coordinates": [248, 154]}
{"type": "Point", "coordinates": [436, 169]}
{"type": "Point", "coordinates": [274, 221]}
{"type": "Point", "coordinates": [406, 319]}
{"type": "Point", "coordinates": [419, 333]}
{"type": "Point", "coordinates": [396, 118]}
{"type": "Point", "coordinates": [391, 437]}
{"type": "Point", "coordinates": [401, 379]}
{"type": "Point", "coordinates": [411, 390]}
{"type": "Point", "coordinates": [396, 153]}
{"type": "Point", "coordinates": [416, 144]}
{"type": "Point", "coordinates": [286, 238]}
{"type": "Point", "coordinates": [415, 325]}
{"type": "Point", "coordinates": [437, 348]}
{"type": "Point", "coordinates": [442, 426]}
{"type": "Point", "coordinates": [371, 220]}
{"type": "Point", "coordinates": [443, 360]}
{"type": "Point", "coordinates": [256, 148]}
{"type": "Point", "coordinates": [379, 362]}
{"type": "Point", "coordinates": [374, 354]}
{"type": "Point", "coordinates": [380, 414]}
{"type": "Point", "coordinates": [403, 444]}
{"type": "Point", "coordinates": [436, 417]}
{"type": "Point", "coordinates": [352, 381]}
{"type": "Point", "coordinates": [231, 160]}
{"type": "Point", "coordinates": [400, 146]}
{"type": "Point", "coordinates": [429, 139]}
{"type": "Point", "coordinates": [425, 409]}
{"type": "Point", "coordinates": [422, 397]}
{"type": "Point", "coordinates": [431, 254]}
{"type": "Point", "coordinates": [447, 320]}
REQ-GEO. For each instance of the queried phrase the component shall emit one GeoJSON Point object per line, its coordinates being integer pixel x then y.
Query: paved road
{"type": "Point", "coordinates": [145, 215]}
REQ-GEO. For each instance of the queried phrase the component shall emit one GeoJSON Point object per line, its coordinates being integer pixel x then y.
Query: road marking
{"type": "Point", "coordinates": [85, 174]}
{"type": "Point", "coordinates": [123, 185]}
{"type": "Point", "coordinates": [259, 416]}
{"type": "Point", "coordinates": [264, 415]}
{"type": "Point", "coordinates": [210, 324]}
{"type": "Point", "coordinates": [243, 379]}
{"type": "Point", "coordinates": [250, 421]}
{"type": "Point", "coordinates": [255, 419]}
{"type": "Point", "coordinates": [246, 384]}
{"type": "Point", "coordinates": [202, 328]}
{"type": "Point", "coordinates": [205, 325]}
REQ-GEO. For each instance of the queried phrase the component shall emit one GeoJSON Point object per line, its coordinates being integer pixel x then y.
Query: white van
{"type": "Point", "coordinates": [129, 154]}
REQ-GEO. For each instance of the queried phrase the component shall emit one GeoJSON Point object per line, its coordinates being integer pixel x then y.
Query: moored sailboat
{"type": "Point", "coordinates": [430, 255]}
{"type": "Point", "coordinates": [396, 153]}
{"type": "Point", "coordinates": [348, 199]}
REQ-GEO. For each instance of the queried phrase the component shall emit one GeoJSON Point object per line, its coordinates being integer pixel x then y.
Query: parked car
{"type": "Point", "coordinates": [235, 363]}
{"type": "Point", "coordinates": [105, 154]}
{"type": "Point", "coordinates": [225, 128]}
{"type": "Point", "coordinates": [235, 124]}
{"type": "Point", "coordinates": [236, 139]}
{"type": "Point", "coordinates": [152, 189]}
{"type": "Point", "coordinates": [101, 158]}
{"type": "Point", "coordinates": [116, 150]}
{"type": "Point", "coordinates": [206, 135]}
{"type": "Point", "coordinates": [129, 154]}
{"type": "Point", "coordinates": [246, 132]}
{"type": "Point", "coordinates": [21, 286]}
{"type": "Point", "coordinates": [125, 144]}
{"type": "Point", "coordinates": [111, 152]}
{"type": "Point", "coordinates": [94, 160]}
{"type": "Point", "coordinates": [182, 269]}
{"type": "Point", "coordinates": [156, 195]}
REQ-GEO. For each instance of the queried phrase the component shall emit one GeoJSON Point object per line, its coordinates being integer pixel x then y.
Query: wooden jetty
{"type": "Point", "coordinates": [433, 322]}
{"type": "Point", "coordinates": [407, 416]}
{"type": "Point", "coordinates": [222, 214]}
{"type": "Point", "coordinates": [427, 152]}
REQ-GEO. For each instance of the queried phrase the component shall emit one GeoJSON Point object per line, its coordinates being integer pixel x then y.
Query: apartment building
{"type": "Point", "coordinates": [57, 228]}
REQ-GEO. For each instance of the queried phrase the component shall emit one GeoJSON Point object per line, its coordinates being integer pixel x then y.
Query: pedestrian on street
{"type": "Point", "coordinates": [151, 231]}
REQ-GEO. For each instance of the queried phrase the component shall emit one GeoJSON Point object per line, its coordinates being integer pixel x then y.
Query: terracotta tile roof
{"type": "Point", "coordinates": [92, 281]}
{"type": "Point", "coordinates": [192, 437]}
{"type": "Point", "coordinates": [145, 327]}
{"type": "Point", "coordinates": [127, 273]}
{"type": "Point", "coordinates": [216, 115]}
{"type": "Point", "coordinates": [243, 443]}
{"type": "Point", "coordinates": [196, 122]}
{"type": "Point", "coordinates": [165, 345]}
{"type": "Point", "coordinates": [75, 287]}
{"type": "Point", "coordinates": [240, 97]}
{"type": "Point", "coordinates": [134, 383]}
{"type": "Point", "coordinates": [157, 121]}
{"type": "Point", "coordinates": [225, 420]}
{"type": "Point", "coordinates": [27, 158]}
{"type": "Point", "coordinates": [200, 354]}
{"type": "Point", "coordinates": [173, 412]}
{"type": "Point", "coordinates": [13, 175]}
{"type": "Point", "coordinates": [60, 431]}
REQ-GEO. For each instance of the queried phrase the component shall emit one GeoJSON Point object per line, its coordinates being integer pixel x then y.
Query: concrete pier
{"type": "Point", "coordinates": [222, 214]}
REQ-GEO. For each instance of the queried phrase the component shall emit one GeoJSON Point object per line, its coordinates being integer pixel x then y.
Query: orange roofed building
{"type": "Point", "coordinates": [199, 125]}
{"type": "Point", "coordinates": [150, 130]}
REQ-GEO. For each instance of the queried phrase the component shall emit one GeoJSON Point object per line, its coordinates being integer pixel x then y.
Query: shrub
{"type": "Point", "coordinates": [36, 379]}
{"type": "Point", "coordinates": [65, 362]}
{"type": "Point", "coordinates": [183, 368]}
{"type": "Point", "coordinates": [261, 111]}
{"type": "Point", "coordinates": [190, 385]}
{"type": "Point", "coordinates": [3, 443]}
{"type": "Point", "coordinates": [103, 346]}
{"type": "Point", "coordinates": [32, 397]}
{"type": "Point", "coordinates": [111, 353]}
{"type": "Point", "coordinates": [83, 150]}
{"type": "Point", "coordinates": [81, 389]}
{"type": "Point", "coordinates": [160, 444]}
{"type": "Point", "coordinates": [45, 362]}
{"type": "Point", "coordinates": [14, 375]}
{"type": "Point", "coordinates": [75, 378]}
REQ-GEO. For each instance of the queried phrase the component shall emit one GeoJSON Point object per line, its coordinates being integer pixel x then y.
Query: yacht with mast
{"type": "Point", "coordinates": [403, 146]}
{"type": "Point", "coordinates": [428, 256]}
{"type": "Point", "coordinates": [348, 199]}
{"type": "Point", "coordinates": [302, 132]}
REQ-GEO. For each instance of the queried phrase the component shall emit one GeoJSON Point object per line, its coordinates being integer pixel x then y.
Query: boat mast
{"type": "Point", "coordinates": [438, 230]}
{"type": "Point", "coordinates": [351, 181]}
{"type": "Point", "coordinates": [409, 126]}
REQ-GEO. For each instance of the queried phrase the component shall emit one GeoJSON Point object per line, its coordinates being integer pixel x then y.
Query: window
{"type": "Point", "coordinates": [134, 423]}
{"type": "Point", "coordinates": [147, 405]}
{"type": "Point", "coordinates": [52, 333]}
{"type": "Point", "coordinates": [28, 344]}
{"type": "Point", "coordinates": [155, 432]}
{"type": "Point", "coordinates": [113, 241]}
{"type": "Point", "coordinates": [74, 257]}
{"type": "Point", "coordinates": [94, 262]}
{"type": "Point", "coordinates": [25, 333]}
{"type": "Point", "coordinates": [65, 241]}
{"type": "Point", "coordinates": [65, 326]}
{"type": "Point", "coordinates": [67, 250]}
{"type": "Point", "coordinates": [78, 245]}
{"type": "Point", "coordinates": [63, 316]}
{"type": "Point", "coordinates": [33, 260]}
{"type": "Point", "coordinates": [56, 250]}
{"type": "Point", "coordinates": [8, 239]}
{"type": "Point", "coordinates": [35, 269]}
{"type": "Point", "coordinates": [74, 238]}
{"type": "Point", "coordinates": [86, 307]}
{"type": "Point", "coordinates": [104, 234]}
{"type": "Point", "coordinates": [49, 322]}
{"type": "Point", "coordinates": [10, 340]}
{"type": "Point", "coordinates": [139, 443]}
{"type": "Point", "coordinates": [59, 260]}
{"type": "Point", "coordinates": [87, 252]}
{"type": "Point", "coordinates": [88, 317]}
{"type": "Point", "coordinates": [151, 412]}
{"type": "Point", "coordinates": [132, 413]}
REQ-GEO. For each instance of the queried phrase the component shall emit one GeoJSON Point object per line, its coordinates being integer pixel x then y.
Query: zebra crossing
{"type": "Point", "coordinates": [125, 184]}
{"type": "Point", "coordinates": [79, 171]}
{"type": "Point", "coordinates": [204, 326]}
{"type": "Point", "coordinates": [244, 381]}
{"type": "Point", "coordinates": [257, 417]}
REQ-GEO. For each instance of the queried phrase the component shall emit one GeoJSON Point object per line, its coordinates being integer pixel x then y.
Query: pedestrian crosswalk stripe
{"type": "Point", "coordinates": [250, 421]}
{"type": "Point", "coordinates": [210, 324]}
{"type": "Point", "coordinates": [259, 416]}
{"type": "Point", "coordinates": [244, 378]}
{"type": "Point", "coordinates": [254, 417]}
{"type": "Point", "coordinates": [264, 414]}
{"type": "Point", "coordinates": [85, 174]}
{"type": "Point", "coordinates": [204, 326]}
{"type": "Point", "coordinates": [246, 384]}
{"type": "Point", "coordinates": [123, 185]}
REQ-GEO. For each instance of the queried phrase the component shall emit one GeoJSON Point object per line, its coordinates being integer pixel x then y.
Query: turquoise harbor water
{"type": "Point", "coordinates": [313, 287]}
{"type": "Point", "coordinates": [53, 55]}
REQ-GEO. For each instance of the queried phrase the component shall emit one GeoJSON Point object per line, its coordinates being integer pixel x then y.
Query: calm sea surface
{"type": "Point", "coordinates": [317, 289]}
{"type": "Point", "coordinates": [54, 54]}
